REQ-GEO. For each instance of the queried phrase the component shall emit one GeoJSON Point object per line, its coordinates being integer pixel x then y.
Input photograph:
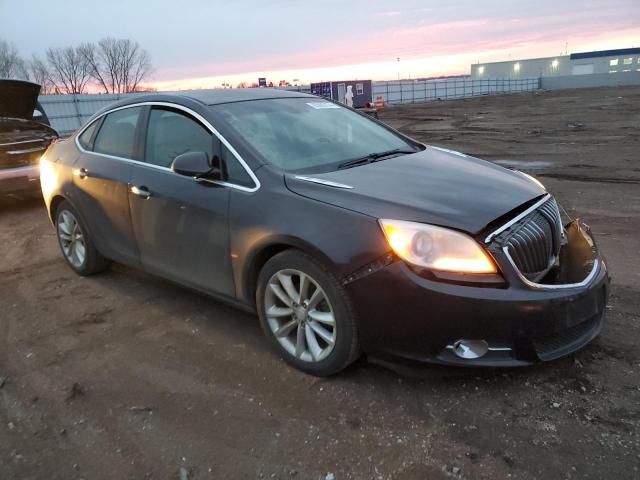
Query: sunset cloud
{"type": "Point", "coordinates": [194, 43]}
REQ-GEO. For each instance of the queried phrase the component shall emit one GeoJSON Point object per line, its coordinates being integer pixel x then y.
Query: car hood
{"type": "Point", "coordinates": [15, 130]}
{"type": "Point", "coordinates": [435, 186]}
{"type": "Point", "coordinates": [18, 98]}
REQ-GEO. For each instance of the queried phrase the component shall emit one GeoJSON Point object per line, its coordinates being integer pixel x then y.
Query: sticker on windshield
{"type": "Point", "coordinates": [322, 105]}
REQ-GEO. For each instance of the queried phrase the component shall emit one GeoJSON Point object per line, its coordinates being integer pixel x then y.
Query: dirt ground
{"type": "Point", "coordinates": [127, 376]}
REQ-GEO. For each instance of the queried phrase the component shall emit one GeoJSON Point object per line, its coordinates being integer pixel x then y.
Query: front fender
{"type": "Point", "coordinates": [271, 220]}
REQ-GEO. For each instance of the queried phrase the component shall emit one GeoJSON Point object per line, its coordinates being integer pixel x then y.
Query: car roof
{"type": "Point", "coordinates": [230, 95]}
{"type": "Point", "coordinates": [205, 97]}
{"type": "Point", "coordinates": [217, 96]}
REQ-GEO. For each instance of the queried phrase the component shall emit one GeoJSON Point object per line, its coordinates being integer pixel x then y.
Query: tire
{"type": "Point", "coordinates": [75, 242]}
{"type": "Point", "coordinates": [291, 319]}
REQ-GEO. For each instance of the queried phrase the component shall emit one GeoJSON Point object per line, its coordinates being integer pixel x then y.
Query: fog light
{"type": "Point", "coordinates": [470, 349]}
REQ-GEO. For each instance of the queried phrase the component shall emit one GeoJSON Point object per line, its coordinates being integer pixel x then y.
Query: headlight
{"type": "Point", "coordinates": [533, 179]}
{"type": "Point", "coordinates": [436, 248]}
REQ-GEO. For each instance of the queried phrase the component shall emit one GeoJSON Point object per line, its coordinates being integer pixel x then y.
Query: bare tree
{"type": "Point", "coordinates": [22, 70]}
{"type": "Point", "coordinates": [136, 65]}
{"type": "Point", "coordinates": [117, 65]}
{"type": "Point", "coordinates": [69, 69]}
{"type": "Point", "coordinates": [40, 74]}
{"type": "Point", "coordinates": [95, 64]}
{"type": "Point", "coordinates": [11, 64]}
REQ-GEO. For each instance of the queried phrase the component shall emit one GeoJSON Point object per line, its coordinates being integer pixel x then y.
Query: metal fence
{"type": "Point", "coordinates": [617, 79]}
{"type": "Point", "coordinates": [67, 113]}
{"type": "Point", "coordinates": [399, 92]}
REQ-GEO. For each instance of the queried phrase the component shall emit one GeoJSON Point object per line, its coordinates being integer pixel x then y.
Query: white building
{"type": "Point", "coordinates": [605, 61]}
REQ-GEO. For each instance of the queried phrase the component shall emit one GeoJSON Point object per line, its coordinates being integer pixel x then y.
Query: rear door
{"type": "Point", "coordinates": [101, 175]}
{"type": "Point", "coordinates": [180, 224]}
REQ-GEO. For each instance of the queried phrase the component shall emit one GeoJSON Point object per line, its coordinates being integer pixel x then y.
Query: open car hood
{"type": "Point", "coordinates": [18, 98]}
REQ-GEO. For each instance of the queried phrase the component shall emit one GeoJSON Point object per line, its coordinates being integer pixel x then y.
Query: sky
{"type": "Point", "coordinates": [202, 44]}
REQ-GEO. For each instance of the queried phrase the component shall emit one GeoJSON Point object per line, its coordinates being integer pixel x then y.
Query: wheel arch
{"type": "Point", "coordinates": [266, 250]}
{"type": "Point", "coordinates": [55, 203]}
{"type": "Point", "coordinates": [53, 206]}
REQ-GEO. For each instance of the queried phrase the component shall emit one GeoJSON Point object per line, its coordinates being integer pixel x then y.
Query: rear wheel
{"type": "Point", "coordinates": [305, 313]}
{"type": "Point", "coordinates": [76, 245]}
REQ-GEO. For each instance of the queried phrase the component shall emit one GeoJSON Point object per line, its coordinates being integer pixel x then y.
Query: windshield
{"type": "Point", "coordinates": [307, 134]}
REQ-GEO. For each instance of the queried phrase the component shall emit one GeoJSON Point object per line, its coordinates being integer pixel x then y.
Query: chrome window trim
{"type": "Point", "coordinates": [328, 183]}
{"type": "Point", "coordinates": [452, 152]}
{"type": "Point", "coordinates": [501, 229]}
{"type": "Point", "coordinates": [194, 114]}
{"type": "Point", "coordinates": [542, 286]}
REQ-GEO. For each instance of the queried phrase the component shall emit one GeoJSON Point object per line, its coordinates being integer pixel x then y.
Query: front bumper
{"type": "Point", "coordinates": [403, 316]}
{"type": "Point", "coordinates": [19, 179]}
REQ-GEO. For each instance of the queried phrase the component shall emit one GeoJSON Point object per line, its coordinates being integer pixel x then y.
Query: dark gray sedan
{"type": "Point", "coordinates": [345, 236]}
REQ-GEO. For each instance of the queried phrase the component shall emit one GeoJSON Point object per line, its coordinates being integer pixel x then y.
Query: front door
{"type": "Point", "coordinates": [180, 224]}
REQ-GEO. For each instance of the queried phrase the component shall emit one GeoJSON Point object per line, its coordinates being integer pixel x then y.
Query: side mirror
{"type": "Point", "coordinates": [195, 164]}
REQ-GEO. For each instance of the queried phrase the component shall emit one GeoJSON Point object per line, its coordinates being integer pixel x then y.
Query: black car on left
{"type": "Point", "coordinates": [25, 134]}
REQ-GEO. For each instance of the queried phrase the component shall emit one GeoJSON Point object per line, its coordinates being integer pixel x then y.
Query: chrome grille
{"type": "Point", "coordinates": [534, 243]}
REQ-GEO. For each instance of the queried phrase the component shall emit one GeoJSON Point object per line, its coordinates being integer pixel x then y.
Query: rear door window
{"type": "Point", "coordinates": [118, 133]}
{"type": "Point", "coordinates": [86, 136]}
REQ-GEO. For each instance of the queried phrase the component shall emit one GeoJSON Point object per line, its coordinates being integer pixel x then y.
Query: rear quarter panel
{"type": "Point", "coordinates": [56, 178]}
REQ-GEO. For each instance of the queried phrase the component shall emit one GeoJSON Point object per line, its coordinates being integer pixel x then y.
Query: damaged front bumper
{"type": "Point", "coordinates": [577, 265]}
{"type": "Point", "coordinates": [412, 317]}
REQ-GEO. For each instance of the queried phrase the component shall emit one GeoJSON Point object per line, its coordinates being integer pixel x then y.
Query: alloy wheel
{"type": "Point", "coordinates": [300, 315]}
{"type": "Point", "coordinates": [71, 239]}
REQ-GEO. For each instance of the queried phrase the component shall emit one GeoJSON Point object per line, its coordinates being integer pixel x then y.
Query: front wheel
{"type": "Point", "coordinates": [306, 314]}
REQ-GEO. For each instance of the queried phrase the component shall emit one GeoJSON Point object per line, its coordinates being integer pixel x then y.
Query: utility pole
{"type": "Point", "coordinates": [398, 68]}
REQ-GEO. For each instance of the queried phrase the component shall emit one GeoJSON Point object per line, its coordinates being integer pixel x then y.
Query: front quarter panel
{"type": "Point", "coordinates": [342, 239]}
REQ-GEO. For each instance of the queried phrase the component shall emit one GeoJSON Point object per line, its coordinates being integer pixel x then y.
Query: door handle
{"type": "Point", "coordinates": [81, 173]}
{"type": "Point", "coordinates": [142, 192]}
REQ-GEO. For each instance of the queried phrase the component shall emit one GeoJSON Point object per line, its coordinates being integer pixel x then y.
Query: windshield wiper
{"type": "Point", "coordinates": [374, 157]}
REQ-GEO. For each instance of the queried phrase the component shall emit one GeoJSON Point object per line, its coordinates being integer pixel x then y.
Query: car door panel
{"type": "Point", "coordinates": [181, 228]}
{"type": "Point", "coordinates": [180, 224]}
{"type": "Point", "coordinates": [100, 181]}
{"type": "Point", "coordinates": [101, 190]}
